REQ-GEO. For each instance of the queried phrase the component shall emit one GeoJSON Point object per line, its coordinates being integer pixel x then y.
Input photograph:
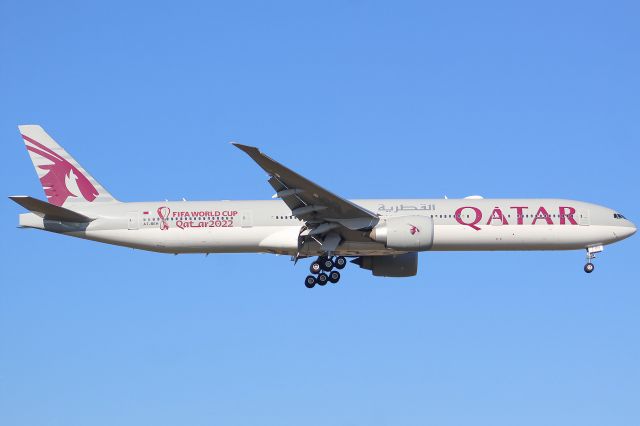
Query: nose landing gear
{"type": "Point", "coordinates": [591, 254]}
{"type": "Point", "coordinates": [326, 264]}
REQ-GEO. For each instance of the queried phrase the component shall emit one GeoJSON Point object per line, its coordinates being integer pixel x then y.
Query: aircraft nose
{"type": "Point", "coordinates": [629, 230]}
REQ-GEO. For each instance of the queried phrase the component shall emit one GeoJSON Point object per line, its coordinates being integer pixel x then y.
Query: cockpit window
{"type": "Point", "coordinates": [618, 216]}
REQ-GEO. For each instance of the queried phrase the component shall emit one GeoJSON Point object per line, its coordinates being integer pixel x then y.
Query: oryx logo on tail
{"type": "Point", "coordinates": [62, 178]}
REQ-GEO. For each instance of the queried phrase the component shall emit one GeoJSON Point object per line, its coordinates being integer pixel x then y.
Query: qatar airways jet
{"type": "Point", "coordinates": [383, 236]}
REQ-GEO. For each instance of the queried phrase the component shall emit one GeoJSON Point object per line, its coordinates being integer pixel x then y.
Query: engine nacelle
{"type": "Point", "coordinates": [410, 233]}
{"type": "Point", "coordinates": [396, 265]}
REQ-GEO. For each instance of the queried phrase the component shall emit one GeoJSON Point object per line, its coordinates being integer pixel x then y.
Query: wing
{"type": "Point", "coordinates": [322, 210]}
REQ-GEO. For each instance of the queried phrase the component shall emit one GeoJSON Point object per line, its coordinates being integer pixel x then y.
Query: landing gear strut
{"type": "Point", "coordinates": [326, 264]}
{"type": "Point", "coordinates": [591, 254]}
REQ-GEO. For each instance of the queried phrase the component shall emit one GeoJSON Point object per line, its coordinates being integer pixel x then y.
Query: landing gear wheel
{"type": "Point", "coordinates": [315, 267]}
{"type": "Point", "coordinates": [340, 262]}
{"type": "Point", "coordinates": [327, 264]}
{"type": "Point", "coordinates": [322, 278]}
{"type": "Point", "coordinates": [334, 276]}
{"type": "Point", "coordinates": [591, 254]}
{"type": "Point", "coordinates": [310, 281]}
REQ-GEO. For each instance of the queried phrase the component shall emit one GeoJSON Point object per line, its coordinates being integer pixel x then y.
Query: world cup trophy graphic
{"type": "Point", "coordinates": [163, 214]}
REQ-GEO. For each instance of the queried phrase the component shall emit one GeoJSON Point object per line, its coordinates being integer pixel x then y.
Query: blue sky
{"type": "Point", "coordinates": [370, 99]}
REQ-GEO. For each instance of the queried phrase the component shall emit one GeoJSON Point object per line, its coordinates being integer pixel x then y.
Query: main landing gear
{"type": "Point", "coordinates": [591, 254]}
{"type": "Point", "coordinates": [322, 270]}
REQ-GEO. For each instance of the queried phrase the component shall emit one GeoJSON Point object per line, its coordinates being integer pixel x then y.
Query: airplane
{"type": "Point", "coordinates": [305, 220]}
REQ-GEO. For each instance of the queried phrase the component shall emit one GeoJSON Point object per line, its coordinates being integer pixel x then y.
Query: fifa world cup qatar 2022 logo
{"type": "Point", "coordinates": [163, 214]}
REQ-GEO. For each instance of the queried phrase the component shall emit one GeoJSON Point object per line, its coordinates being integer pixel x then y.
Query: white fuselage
{"type": "Point", "coordinates": [268, 226]}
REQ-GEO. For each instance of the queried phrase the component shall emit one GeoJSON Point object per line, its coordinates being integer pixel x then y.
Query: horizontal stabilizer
{"type": "Point", "coordinates": [48, 210]}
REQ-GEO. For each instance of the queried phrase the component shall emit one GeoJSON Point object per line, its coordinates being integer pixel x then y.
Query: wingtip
{"type": "Point", "coordinates": [245, 148]}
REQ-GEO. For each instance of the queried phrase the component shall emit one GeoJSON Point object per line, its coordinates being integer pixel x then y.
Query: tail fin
{"type": "Point", "coordinates": [64, 180]}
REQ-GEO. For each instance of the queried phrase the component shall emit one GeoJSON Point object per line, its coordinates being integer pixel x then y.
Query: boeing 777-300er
{"type": "Point", "coordinates": [305, 220]}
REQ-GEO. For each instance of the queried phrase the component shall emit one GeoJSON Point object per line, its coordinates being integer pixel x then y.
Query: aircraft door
{"type": "Point", "coordinates": [583, 218]}
{"type": "Point", "coordinates": [246, 219]}
{"type": "Point", "coordinates": [133, 220]}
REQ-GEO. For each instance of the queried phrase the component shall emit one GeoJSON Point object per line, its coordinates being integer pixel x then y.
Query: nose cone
{"type": "Point", "coordinates": [627, 231]}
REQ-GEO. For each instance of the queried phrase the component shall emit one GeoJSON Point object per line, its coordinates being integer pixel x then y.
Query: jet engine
{"type": "Point", "coordinates": [407, 233]}
{"type": "Point", "coordinates": [397, 265]}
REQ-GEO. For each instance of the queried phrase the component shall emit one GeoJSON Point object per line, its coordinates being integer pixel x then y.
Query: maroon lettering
{"type": "Point", "coordinates": [542, 214]}
{"type": "Point", "coordinates": [519, 213]}
{"type": "Point", "coordinates": [475, 219]}
{"type": "Point", "coordinates": [496, 214]}
{"type": "Point", "coordinates": [567, 213]}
